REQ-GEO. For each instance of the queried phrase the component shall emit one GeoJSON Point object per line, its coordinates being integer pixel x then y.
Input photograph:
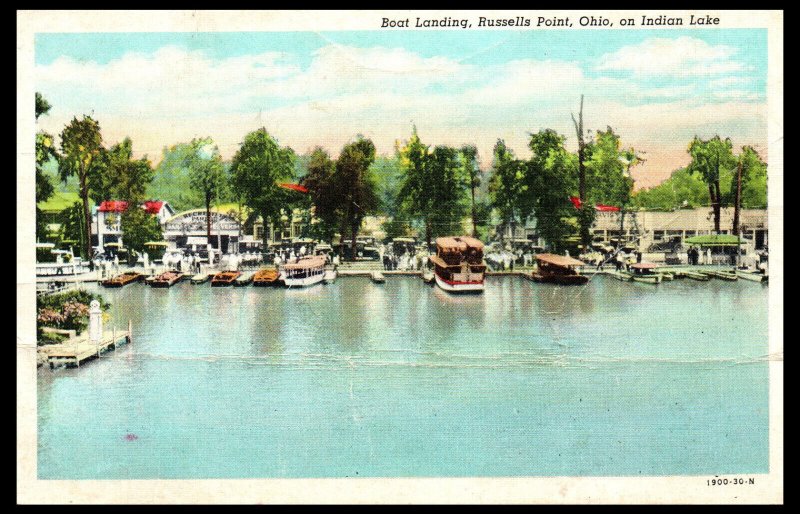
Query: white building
{"type": "Point", "coordinates": [107, 215]}
{"type": "Point", "coordinates": [189, 230]}
{"type": "Point", "coordinates": [645, 228]}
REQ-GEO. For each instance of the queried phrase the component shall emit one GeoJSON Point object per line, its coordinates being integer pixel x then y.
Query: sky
{"type": "Point", "coordinates": [656, 88]}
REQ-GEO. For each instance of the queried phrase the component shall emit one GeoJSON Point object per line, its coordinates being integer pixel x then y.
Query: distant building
{"type": "Point", "coordinates": [188, 230]}
{"type": "Point", "coordinates": [107, 216]}
{"type": "Point", "coordinates": [646, 228]}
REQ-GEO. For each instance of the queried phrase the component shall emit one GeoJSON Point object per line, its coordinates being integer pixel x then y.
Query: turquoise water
{"type": "Point", "coordinates": [401, 379]}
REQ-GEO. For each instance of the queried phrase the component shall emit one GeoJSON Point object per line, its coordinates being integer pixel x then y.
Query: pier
{"type": "Point", "coordinates": [79, 349]}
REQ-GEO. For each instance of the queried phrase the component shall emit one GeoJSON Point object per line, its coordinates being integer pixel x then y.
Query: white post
{"type": "Point", "coordinates": [95, 322]}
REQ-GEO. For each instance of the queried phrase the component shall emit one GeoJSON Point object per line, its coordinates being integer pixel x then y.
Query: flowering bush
{"type": "Point", "coordinates": [50, 317]}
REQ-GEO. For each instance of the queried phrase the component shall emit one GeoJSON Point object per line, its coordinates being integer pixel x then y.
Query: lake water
{"type": "Point", "coordinates": [401, 379]}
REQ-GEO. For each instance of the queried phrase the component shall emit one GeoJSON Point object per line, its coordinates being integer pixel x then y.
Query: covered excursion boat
{"type": "Point", "coordinates": [305, 272]}
{"type": "Point", "coordinates": [558, 269]}
{"type": "Point", "coordinates": [458, 264]}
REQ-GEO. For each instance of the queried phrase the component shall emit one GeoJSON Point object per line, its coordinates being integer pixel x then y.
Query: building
{"type": "Point", "coordinates": [647, 228]}
{"type": "Point", "coordinates": [288, 230]}
{"type": "Point", "coordinates": [188, 230]}
{"type": "Point", "coordinates": [106, 218]}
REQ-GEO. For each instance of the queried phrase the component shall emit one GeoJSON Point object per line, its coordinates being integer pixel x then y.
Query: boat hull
{"type": "Point", "coordinates": [565, 280]}
{"type": "Point", "coordinates": [752, 277]}
{"type": "Point", "coordinates": [459, 287]}
{"type": "Point", "coordinates": [647, 279]}
{"type": "Point", "coordinates": [305, 281]}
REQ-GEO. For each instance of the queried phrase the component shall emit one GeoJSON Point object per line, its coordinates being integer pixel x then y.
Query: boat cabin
{"type": "Point", "coordinates": [304, 268]}
{"type": "Point", "coordinates": [643, 268]}
{"type": "Point", "coordinates": [558, 269]}
{"type": "Point", "coordinates": [459, 259]}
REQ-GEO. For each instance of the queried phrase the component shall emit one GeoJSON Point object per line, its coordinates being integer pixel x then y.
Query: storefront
{"type": "Point", "coordinates": [188, 231]}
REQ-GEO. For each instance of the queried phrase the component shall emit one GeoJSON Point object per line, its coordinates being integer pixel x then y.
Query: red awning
{"type": "Point", "coordinates": [295, 187]}
{"type": "Point", "coordinates": [152, 206]}
{"type": "Point", "coordinates": [113, 206]}
{"type": "Point", "coordinates": [599, 207]}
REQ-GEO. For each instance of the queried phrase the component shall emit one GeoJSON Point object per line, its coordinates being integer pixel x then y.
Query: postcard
{"type": "Point", "coordinates": [400, 257]}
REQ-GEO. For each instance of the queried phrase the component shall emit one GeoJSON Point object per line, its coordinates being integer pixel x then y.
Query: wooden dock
{"type": "Point", "coordinates": [79, 349]}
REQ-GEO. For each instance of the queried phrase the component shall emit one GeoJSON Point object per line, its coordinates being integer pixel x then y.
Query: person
{"type": "Point", "coordinates": [708, 256]}
{"type": "Point", "coordinates": [303, 250]}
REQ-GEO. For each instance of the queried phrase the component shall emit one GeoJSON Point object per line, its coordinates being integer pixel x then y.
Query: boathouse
{"type": "Point", "coordinates": [188, 230]}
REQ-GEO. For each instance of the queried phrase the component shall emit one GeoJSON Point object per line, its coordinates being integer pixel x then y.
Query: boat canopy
{"type": "Point", "coordinates": [451, 244]}
{"type": "Point", "coordinates": [714, 240]}
{"type": "Point", "coordinates": [315, 261]}
{"type": "Point", "coordinates": [643, 265]}
{"type": "Point", "coordinates": [559, 260]}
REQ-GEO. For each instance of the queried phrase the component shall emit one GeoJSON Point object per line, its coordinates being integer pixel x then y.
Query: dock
{"type": "Point", "coordinates": [79, 349]}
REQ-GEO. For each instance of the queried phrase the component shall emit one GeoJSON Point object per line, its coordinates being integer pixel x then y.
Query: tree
{"type": "Point", "coordinates": [172, 180]}
{"type": "Point", "coordinates": [319, 180]}
{"type": "Point", "coordinates": [139, 227]}
{"type": "Point", "coordinates": [608, 177]}
{"type": "Point", "coordinates": [81, 147]}
{"type": "Point", "coordinates": [206, 174]}
{"type": "Point", "coordinates": [506, 187]}
{"type": "Point", "coordinates": [434, 187]}
{"type": "Point", "coordinates": [469, 155]}
{"type": "Point", "coordinates": [586, 215]}
{"type": "Point", "coordinates": [356, 185]}
{"type": "Point", "coordinates": [749, 165]}
{"type": "Point", "coordinates": [257, 168]}
{"type": "Point", "coordinates": [45, 150]}
{"type": "Point", "coordinates": [549, 177]}
{"type": "Point", "coordinates": [709, 159]}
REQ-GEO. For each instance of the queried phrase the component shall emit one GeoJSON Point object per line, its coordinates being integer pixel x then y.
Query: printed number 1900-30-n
{"type": "Point", "coordinates": [731, 481]}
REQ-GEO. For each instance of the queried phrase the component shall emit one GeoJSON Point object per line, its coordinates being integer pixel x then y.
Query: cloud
{"type": "Point", "coordinates": [173, 95]}
{"type": "Point", "coordinates": [683, 56]}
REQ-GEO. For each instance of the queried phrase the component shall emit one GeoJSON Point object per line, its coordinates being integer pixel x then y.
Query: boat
{"type": "Point", "coordinates": [558, 269]}
{"type": "Point", "coordinates": [377, 277]}
{"type": "Point", "coordinates": [623, 276]}
{"type": "Point", "coordinates": [306, 271]}
{"type": "Point", "coordinates": [752, 276]}
{"type": "Point", "coordinates": [666, 275]}
{"type": "Point", "coordinates": [694, 275]}
{"type": "Point", "coordinates": [428, 277]}
{"type": "Point", "coordinates": [330, 276]}
{"type": "Point", "coordinates": [243, 280]}
{"type": "Point", "coordinates": [166, 279]}
{"type": "Point", "coordinates": [722, 274]}
{"type": "Point", "coordinates": [267, 277]}
{"type": "Point", "coordinates": [123, 279]}
{"type": "Point", "coordinates": [645, 272]}
{"type": "Point", "coordinates": [224, 278]}
{"type": "Point", "coordinates": [458, 265]}
{"type": "Point", "coordinates": [200, 278]}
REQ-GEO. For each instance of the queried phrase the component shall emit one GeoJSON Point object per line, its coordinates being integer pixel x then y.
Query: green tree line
{"type": "Point", "coordinates": [427, 189]}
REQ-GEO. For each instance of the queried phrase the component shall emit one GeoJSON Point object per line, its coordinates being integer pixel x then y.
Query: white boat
{"type": "Point", "coordinates": [307, 271]}
{"type": "Point", "coordinates": [330, 276]}
{"type": "Point", "coordinates": [428, 277]}
{"type": "Point", "coordinates": [458, 264]}
{"type": "Point", "coordinates": [377, 277]}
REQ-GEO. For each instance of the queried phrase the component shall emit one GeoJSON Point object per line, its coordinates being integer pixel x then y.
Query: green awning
{"type": "Point", "coordinates": [714, 240]}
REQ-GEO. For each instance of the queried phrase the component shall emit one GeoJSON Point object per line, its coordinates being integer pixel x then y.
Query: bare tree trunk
{"type": "Point", "coordinates": [87, 217]}
{"type": "Point", "coordinates": [208, 217]}
{"type": "Point", "coordinates": [717, 205]}
{"type": "Point", "coordinates": [474, 226]}
{"type": "Point", "coordinates": [428, 232]}
{"type": "Point", "coordinates": [354, 233]}
{"type": "Point", "coordinates": [581, 146]}
{"type": "Point", "coordinates": [738, 199]}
